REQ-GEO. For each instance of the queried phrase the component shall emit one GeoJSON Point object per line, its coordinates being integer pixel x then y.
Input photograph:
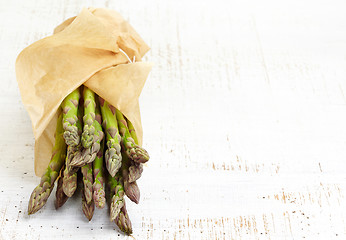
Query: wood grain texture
{"type": "Point", "coordinates": [244, 116]}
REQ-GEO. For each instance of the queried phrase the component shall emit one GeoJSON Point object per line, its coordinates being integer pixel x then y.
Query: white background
{"type": "Point", "coordinates": [244, 116]}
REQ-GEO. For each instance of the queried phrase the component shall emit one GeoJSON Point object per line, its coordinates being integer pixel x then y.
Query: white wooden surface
{"type": "Point", "coordinates": [244, 116]}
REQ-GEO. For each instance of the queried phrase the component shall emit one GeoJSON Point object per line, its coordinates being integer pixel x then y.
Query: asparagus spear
{"type": "Point", "coordinates": [133, 151]}
{"type": "Point", "coordinates": [41, 193]}
{"type": "Point", "coordinates": [70, 173]}
{"type": "Point", "coordinates": [113, 153]}
{"type": "Point", "coordinates": [87, 208]}
{"type": "Point", "coordinates": [95, 148]}
{"type": "Point", "coordinates": [117, 193]}
{"type": "Point", "coordinates": [89, 154]}
{"type": "Point", "coordinates": [69, 185]}
{"type": "Point", "coordinates": [131, 188]}
{"type": "Point", "coordinates": [88, 180]}
{"type": "Point", "coordinates": [72, 153]}
{"type": "Point", "coordinates": [70, 109]}
{"type": "Point", "coordinates": [76, 152]}
{"type": "Point", "coordinates": [135, 169]}
{"type": "Point", "coordinates": [89, 117]}
{"type": "Point", "coordinates": [132, 131]}
{"type": "Point", "coordinates": [99, 192]}
{"type": "Point", "coordinates": [60, 196]}
{"type": "Point", "coordinates": [123, 221]}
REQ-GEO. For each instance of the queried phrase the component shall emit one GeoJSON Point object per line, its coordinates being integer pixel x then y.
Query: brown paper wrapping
{"type": "Point", "coordinates": [85, 49]}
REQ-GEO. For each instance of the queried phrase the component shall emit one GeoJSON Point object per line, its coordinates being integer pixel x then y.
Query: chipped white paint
{"type": "Point", "coordinates": [244, 116]}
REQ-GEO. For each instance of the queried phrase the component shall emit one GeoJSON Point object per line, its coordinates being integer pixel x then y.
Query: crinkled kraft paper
{"type": "Point", "coordinates": [85, 49]}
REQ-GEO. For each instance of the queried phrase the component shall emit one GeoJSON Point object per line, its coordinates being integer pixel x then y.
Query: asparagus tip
{"type": "Point", "coordinates": [138, 154]}
{"type": "Point", "coordinates": [132, 191]}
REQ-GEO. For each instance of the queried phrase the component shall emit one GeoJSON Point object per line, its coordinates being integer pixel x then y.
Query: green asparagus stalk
{"type": "Point", "coordinates": [132, 131]}
{"type": "Point", "coordinates": [69, 185]}
{"type": "Point", "coordinates": [70, 109]}
{"type": "Point", "coordinates": [135, 169]}
{"type": "Point", "coordinates": [88, 181]}
{"type": "Point", "coordinates": [131, 188]}
{"type": "Point", "coordinates": [72, 153]}
{"type": "Point", "coordinates": [89, 154]}
{"type": "Point", "coordinates": [123, 221]}
{"type": "Point", "coordinates": [87, 208]}
{"type": "Point", "coordinates": [89, 117]}
{"type": "Point", "coordinates": [133, 151]}
{"type": "Point", "coordinates": [41, 193]}
{"type": "Point", "coordinates": [99, 192]}
{"type": "Point", "coordinates": [60, 196]}
{"type": "Point", "coordinates": [95, 148]}
{"type": "Point", "coordinates": [113, 153]}
{"type": "Point", "coordinates": [117, 200]}
{"type": "Point", "coordinates": [87, 169]}
{"type": "Point", "coordinates": [70, 173]}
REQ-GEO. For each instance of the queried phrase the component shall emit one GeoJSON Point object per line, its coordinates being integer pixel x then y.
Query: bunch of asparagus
{"type": "Point", "coordinates": [96, 148]}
